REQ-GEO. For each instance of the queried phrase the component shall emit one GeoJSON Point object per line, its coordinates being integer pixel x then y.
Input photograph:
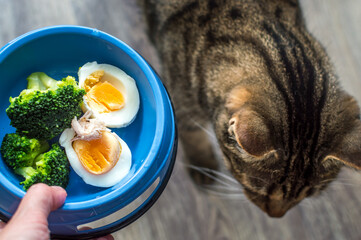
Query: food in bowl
{"type": "Point", "coordinates": [46, 107]}
{"type": "Point", "coordinates": [112, 95]}
{"type": "Point", "coordinates": [35, 161]}
{"type": "Point", "coordinates": [98, 155]}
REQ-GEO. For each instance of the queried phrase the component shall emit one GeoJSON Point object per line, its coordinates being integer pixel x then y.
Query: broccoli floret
{"type": "Point", "coordinates": [32, 159]}
{"type": "Point", "coordinates": [31, 176]}
{"type": "Point", "coordinates": [19, 151]}
{"type": "Point", "coordinates": [54, 166]}
{"type": "Point", "coordinates": [51, 168]}
{"type": "Point", "coordinates": [47, 107]}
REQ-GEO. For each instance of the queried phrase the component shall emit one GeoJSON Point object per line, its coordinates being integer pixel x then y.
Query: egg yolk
{"type": "Point", "coordinates": [100, 155]}
{"type": "Point", "coordinates": [102, 96]}
{"type": "Point", "coordinates": [93, 79]}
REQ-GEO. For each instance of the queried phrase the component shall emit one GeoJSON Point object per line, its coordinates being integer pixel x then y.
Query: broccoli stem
{"type": "Point", "coordinates": [41, 81]}
{"type": "Point", "coordinates": [38, 159]}
{"type": "Point", "coordinates": [35, 83]}
{"type": "Point", "coordinates": [26, 172]}
{"type": "Point", "coordinates": [44, 146]}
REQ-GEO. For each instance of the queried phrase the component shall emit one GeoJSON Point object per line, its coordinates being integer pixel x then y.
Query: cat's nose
{"type": "Point", "coordinates": [276, 208]}
{"type": "Point", "coordinates": [276, 213]}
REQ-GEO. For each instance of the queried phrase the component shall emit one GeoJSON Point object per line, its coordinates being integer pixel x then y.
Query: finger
{"type": "Point", "coordinates": [40, 200]}
{"type": "Point", "coordinates": [32, 213]}
{"type": "Point", "coordinates": [2, 225]}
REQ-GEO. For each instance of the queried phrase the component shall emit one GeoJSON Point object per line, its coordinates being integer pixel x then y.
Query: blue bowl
{"type": "Point", "coordinates": [59, 51]}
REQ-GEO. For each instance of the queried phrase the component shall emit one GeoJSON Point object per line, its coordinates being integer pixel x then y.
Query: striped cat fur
{"type": "Point", "coordinates": [266, 85]}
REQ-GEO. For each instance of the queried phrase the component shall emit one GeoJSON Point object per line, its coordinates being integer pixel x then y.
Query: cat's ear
{"type": "Point", "coordinates": [251, 132]}
{"type": "Point", "coordinates": [348, 151]}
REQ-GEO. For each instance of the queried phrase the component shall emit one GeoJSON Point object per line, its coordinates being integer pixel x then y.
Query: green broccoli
{"type": "Point", "coordinates": [31, 176]}
{"type": "Point", "coordinates": [46, 107]}
{"type": "Point", "coordinates": [30, 159]}
{"type": "Point", "coordinates": [18, 151]}
{"type": "Point", "coordinates": [51, 168]}
{"type": "Point", "coordinates": [54, 166]}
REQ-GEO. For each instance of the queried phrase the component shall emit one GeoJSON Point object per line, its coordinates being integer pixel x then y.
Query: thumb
{"type": "Point", "coordinates": [34, 209]}
{"type": "Point", "coordinates": [41, 200]}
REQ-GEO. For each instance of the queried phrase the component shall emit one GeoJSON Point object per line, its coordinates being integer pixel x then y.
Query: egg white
{"type": "Point", "coordinates": [108, 179]}
{"type": "Point", "coordinates": [124, 116]}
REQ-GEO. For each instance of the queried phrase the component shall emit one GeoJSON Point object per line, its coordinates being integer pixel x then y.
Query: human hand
{"type": "Point", "coordinates": [30, 219]}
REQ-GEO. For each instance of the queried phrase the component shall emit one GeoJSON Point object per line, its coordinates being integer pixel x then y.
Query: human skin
{"type": "Point", "coordinates": [30, 219]}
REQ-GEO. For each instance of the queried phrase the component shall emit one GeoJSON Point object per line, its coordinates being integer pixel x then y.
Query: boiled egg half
{"type": "Point", "coordinates": [111, 94]}
{"type": "Point", "coordinates": [101, 162]}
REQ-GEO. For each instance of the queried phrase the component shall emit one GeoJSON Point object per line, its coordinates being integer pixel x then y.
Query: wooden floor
{"type": "Point", "coordinates": [183, 212]}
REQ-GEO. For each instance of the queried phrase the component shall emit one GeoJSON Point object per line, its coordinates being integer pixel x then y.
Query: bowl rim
{"type": "Point", "coordinates": [17, 42]}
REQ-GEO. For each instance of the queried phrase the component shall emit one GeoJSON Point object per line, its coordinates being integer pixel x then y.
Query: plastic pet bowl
{"type": "Point", "coordinates": [59, 51]}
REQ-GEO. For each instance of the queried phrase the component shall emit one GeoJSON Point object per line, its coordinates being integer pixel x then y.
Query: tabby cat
{"type": "Point", "coordinates": [251, 69]}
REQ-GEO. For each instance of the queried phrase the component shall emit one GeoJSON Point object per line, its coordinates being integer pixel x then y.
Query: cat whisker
{"type": "Point", "coordinates": [341, 184]}
{"type": "Point", "coordinates": [252, 198]}
{"type": "Point", "coordinates": [225, 188]}
{"type": "Point", "coordinates": [327, 181]}
{"type": "Point", "coordinates": [213, 177]}
{"type": "Point", "coordinates": [344, 178]}
{"type": "Point", "coordinates": [220, 177]}
{"type": "Point", "coordinates": [347, 181]}
{"type": "Point", "coordinates": [308, 203]}
{"type": "Point", "coordinates": [209, 133]}
{"type": "Point", "coordinates": [341, 181]}
{"type": "Point", "coordinates": [225, 176]}
{"type": "Point", "coordinates": [262, 180]}
{"type": "Point", "coordinates": [238, 196]}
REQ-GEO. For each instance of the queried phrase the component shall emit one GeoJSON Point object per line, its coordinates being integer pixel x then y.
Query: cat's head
{"type": "Point", "coordinates": [279, 159]}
